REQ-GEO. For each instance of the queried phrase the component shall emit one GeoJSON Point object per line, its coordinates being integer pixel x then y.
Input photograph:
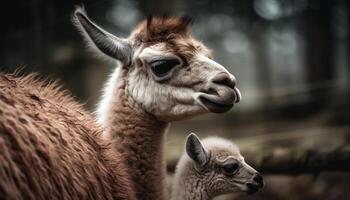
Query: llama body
{"type": "Point", "coordinates": [52, 149]}
{"type": "Point", "coordinates": [211, 168]}
{"type": "Point", "coordinates": [163, 75]}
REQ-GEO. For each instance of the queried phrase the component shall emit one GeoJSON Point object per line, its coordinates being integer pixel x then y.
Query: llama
{"type": "Point", "coordinates": [211, 168]}
{"type": "Point", "coordinates": [50, 148]}
{"type": "Point", "coordinates": [163, 74]}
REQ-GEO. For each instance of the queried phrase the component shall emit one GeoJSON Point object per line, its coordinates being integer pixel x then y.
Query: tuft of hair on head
{"type": "Point", "coordinates": [161, 28]}
{"type": "Point", "coordinates": [149, 22]}
{"type": "Point", "coordinates": [187, 20]}
{"type": "Point", "coordinates": [219, 142]}
{"type": "Point", "coordinates": [148, 25]}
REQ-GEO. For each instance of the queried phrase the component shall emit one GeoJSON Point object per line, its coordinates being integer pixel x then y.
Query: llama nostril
{"type": "Point", "coordinates": [224, 79]}
{"type": "Point", "coordinates": [258, 178]}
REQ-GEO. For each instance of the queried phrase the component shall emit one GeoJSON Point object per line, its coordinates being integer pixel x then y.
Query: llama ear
{"type": "Point", "coordinates": [195, 150]}
{"type": "Point", "coordinates": [105, 42]}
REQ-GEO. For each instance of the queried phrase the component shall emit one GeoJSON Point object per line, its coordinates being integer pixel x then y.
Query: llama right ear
{"type": "Point", "coordinates": [195, 150]}
{"type": "Point", "coordinates": [105, 42]}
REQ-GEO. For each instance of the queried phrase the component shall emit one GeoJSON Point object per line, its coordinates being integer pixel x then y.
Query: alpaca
{"type": "Point", "coordinates": [50, 148]}
{"type": "Point", "coordinates": [163, 74]}
{"type": "Point", "coordinates": [211, 168]}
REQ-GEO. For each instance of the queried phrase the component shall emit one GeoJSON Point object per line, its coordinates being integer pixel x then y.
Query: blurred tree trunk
{"type": "Point", "coordinates": [319, 51]}
{"type": "Point", "coordinates": [262, 58]}
{"type": "Point", "coordinates": [300, 161]}
{"type": "Point", "coordinates": [346, 3]}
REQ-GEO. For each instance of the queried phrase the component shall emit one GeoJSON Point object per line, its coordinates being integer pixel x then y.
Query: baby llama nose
{"type": "Point", "coordinates": [258, 178]}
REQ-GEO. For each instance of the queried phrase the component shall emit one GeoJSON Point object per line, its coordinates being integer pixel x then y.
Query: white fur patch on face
{"type": "Point", "coordinates": [155, 52]}
{"type": "Point", "coordinates": [214, 66]}
{"type": "Point", "coordinates": [161, 99]}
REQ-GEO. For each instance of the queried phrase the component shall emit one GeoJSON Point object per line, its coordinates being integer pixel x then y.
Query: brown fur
{"type": "Point", "coordinates": [50, 148]}
{"type": "Point", "coordinates": [139, 137]}
{"type": "Point", "coordinates": [158, 29]}
{"type": "Point", "coordinates": [175, 32]}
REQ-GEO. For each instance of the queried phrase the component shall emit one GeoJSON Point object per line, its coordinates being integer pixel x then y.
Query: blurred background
{"type": "Point", "coordinates": [291, 59]}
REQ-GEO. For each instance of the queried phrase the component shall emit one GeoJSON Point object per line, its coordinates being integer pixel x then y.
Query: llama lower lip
{"type": "Point", "coordinates": [215, 106]}
{"type": "Point", "coordinates": [253, 188]}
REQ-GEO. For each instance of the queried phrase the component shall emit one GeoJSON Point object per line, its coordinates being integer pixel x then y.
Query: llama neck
{"type": "Point", "coordinates": [188, 186]}
{"type": "Point", "coordinates": [139, 137]}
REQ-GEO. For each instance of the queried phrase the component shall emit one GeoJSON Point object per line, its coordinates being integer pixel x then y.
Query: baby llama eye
{"type": "Point", "coordinates": [231, 168]}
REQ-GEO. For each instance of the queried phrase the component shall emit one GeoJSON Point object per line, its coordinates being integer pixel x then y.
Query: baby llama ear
{"type": "Point", "coordinates": [105, 42]}
{"type": "Point", "coordinates": [196, 151]}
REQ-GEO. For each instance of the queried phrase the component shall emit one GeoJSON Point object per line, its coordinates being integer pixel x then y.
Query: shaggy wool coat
{"type": "Point", "coordinates": [50, 148]}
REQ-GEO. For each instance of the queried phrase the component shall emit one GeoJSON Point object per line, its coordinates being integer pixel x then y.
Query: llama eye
{"type": "Point", "coordinates": [161, 67]}
{"type": "Point", "coordinates": [231, 168]}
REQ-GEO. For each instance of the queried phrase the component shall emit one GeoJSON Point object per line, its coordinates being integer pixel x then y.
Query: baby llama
{"type": "Point", "coordinates": [212, 167]}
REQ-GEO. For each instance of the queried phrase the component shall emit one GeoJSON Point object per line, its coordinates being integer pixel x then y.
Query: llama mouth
{"type": "Point", "coordinates": [214, 104]}
{"type": "Point", "coordinates": [220, 102]}
{"type": "Point", "coordinates": [253, 188]}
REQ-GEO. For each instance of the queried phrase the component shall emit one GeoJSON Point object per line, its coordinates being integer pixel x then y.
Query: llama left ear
{"type": "Point", "coordinates": [195, 150]}
{"type": "Point", "coordinates": [105, 42]}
